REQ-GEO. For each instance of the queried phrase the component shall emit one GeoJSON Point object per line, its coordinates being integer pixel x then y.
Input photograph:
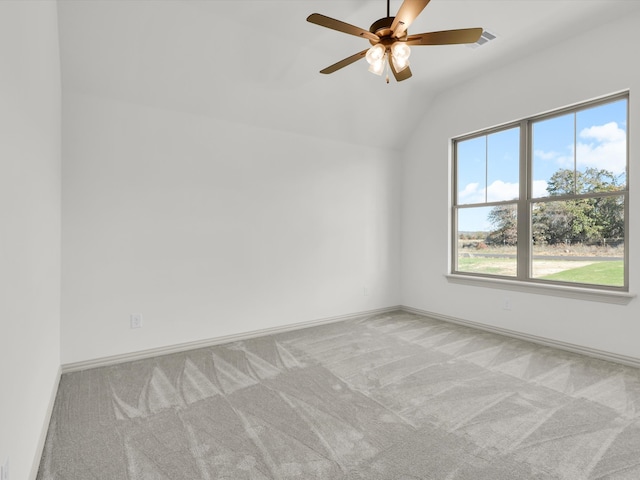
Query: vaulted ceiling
{"type": "Point", "coordinates": [257, 61]}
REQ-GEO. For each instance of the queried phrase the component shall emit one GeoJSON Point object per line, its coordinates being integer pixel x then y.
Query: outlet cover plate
{"type": "Point", "coordinates": [4, 470]}
{"type": "Point", "coordinates": [135, 320]}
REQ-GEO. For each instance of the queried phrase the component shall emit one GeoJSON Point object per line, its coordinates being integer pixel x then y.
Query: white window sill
{"type": "Point", "coordinates": [594, 295]}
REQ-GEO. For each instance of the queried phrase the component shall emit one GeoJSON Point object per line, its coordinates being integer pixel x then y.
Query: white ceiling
{"type": "Point", "coordinates": [257, 61]}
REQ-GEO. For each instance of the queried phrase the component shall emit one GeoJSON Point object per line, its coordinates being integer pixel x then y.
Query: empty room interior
{"type": "Point", "coordinates": [220, 261]}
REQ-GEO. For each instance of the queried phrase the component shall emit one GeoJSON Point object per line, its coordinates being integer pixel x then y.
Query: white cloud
{"type": "Point", "coordinates": [500, 190]}
{"type": "Point", "coordinates": [539, 188]}
{"type": "Point", "coordinates": [471, 194]}
{"type": "Point", "coordinates": [564, 160]}
{"type": "Point", "coordinates": [605, 148]}
{"type": "Point", "coordinates": [609, 132]}
{"type": "Point", "coordinates": [542, 155]}
{"type": "Point", "coordinates": [599, 146]}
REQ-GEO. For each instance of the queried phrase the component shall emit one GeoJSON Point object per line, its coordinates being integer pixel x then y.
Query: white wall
{"type": "Point", "coordinates": [602, 61]}
{"type": "Point", "coordinates": [210, 228]}
{"type": "Point", "coordinates": [29, 227]}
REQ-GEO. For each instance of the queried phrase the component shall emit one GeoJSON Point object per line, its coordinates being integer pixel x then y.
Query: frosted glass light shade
{"type": "Point", "coordinates": [399, 64]}
{"type": "Point", "coordinates": [375, 53]}
{"type": "Point", "coordinates": [377, 67]}
{"type": "Point", "coordinates": [400, 51]}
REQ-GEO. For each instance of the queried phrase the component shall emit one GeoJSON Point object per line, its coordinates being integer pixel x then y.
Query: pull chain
{"type": "Point", "coordinates": [388, 60]}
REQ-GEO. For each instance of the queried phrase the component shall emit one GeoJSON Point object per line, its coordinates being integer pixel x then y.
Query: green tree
{"type": "Point", "coordinates": [568, 221]}
{"type": "Point", "coordinates": [585, 220]}
{"type": "Point", "coordinates": [504, 218]}
{"type": "Point", "coordinates": [592, 180]}
{"type": "Point", "coordinates": [564, 182]}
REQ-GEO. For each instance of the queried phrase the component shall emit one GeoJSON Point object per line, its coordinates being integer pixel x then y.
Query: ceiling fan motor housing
{"type": "Point", "coordinates": [382, 28]}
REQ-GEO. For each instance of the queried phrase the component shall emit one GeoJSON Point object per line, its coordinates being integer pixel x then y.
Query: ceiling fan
{"type": "Point", "coordinates": [390, 40]}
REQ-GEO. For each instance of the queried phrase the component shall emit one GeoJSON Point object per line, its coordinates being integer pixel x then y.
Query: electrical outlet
{"type": "Point", "coordinates": [365, 291]}
{"type": "Point", "coordinates": [506, 303]}
{"type": "Point", "coordinates": [135, 320]}
{"type": "Point", "coordinates": [4, 470]}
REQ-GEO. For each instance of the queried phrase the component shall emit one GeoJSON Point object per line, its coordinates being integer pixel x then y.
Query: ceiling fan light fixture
{"type": "Point", "coordinates": [400, 52]}
{"type": "Point", "coordinates": [399, 64]}
{"type": "Point", "coordinates": [375, 53]}
{"type": "Point", "coordinates": [377, 66]}
{"type": "Point", "coordinates": [390, 39]}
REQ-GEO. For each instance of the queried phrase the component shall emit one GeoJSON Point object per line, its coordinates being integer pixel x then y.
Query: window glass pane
{"type": "Point", "coordinates": [579, 241]}
{"type": "Point", "coordinates": [553, 159]}
{"type": "Point", "coordinates": [601, 147]}
{"type": "Point", "coordinates": [472, 170]}
{"type": "Point", "coordinates": [487, 240]}
{"type": "Point", "coordinates": [575, 214]}
{"type": "Point", "coordinates": [503, 157]}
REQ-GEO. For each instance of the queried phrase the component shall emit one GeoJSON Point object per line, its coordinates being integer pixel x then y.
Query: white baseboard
{"type": "Point", "coordinates": [45, 426]}
{"type": "Point", "coordinates": [181, 347]}
{"type": "Point", "coordinates": [548, 342]}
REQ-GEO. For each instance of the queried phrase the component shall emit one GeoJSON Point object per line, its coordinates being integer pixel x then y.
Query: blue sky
{"type": "Point", "coordinates": [488, 165]}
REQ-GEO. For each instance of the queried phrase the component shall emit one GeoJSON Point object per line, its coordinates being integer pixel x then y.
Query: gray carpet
{"type": "Point", "coordinates": [395, 396]}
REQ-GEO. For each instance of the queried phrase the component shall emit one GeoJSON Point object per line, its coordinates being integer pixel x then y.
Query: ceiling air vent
{"type": "Point", "coordinates": [485, 38]}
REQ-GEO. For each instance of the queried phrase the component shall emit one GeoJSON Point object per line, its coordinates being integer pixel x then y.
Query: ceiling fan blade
{"type": "Point", "coordinates": [407, 13]}
{"type": "Point", "coordinates": [343, 63]}
{"type": "Point", "coordinates": [343, 27]}
{"type": "Point", "coordinates": [446, 37]}
{"type": "Point", "coordinates": [402, 75]}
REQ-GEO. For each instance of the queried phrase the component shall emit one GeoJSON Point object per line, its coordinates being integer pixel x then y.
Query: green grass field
{"type": "Point", "coordinates": [490, 266]}
{"type": "Point", "coordinates": [600, 273]}
{"type": "Point", "coordinates": [610, 273]}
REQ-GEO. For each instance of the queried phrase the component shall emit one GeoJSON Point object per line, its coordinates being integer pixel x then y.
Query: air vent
{"type": "Point", "coordinates": [485, 38]}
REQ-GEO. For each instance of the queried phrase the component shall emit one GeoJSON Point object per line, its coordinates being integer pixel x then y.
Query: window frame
{"type": "Point", "coordinates": [524, 205]}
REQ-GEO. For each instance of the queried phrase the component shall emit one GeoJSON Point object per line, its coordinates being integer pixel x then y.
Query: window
{"type": "Point", "coordinates": [545, 199]}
